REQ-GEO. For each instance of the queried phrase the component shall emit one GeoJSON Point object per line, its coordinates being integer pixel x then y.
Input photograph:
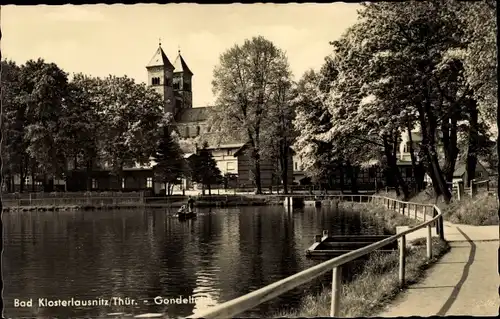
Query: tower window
{"type": "Point", "coordinates": [149, 182]}
{"type": "Point", "coordinates": [187, 86]}
{"type": "Point", "coordinates": [176, 85]}
{"type": "Point", "coordinates": [155, 81]}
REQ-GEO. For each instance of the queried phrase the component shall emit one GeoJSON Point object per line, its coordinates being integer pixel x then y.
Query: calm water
{"type": "Point", "coordinates": [221, 255]}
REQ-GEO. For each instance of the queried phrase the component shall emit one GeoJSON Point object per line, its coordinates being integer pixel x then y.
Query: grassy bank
{"type": "Point", "coordinates": [479, 211]}
{"type": "Point", "coordinates": [379, 214]}
{"type": "Point", "coordinates": [375, 286]}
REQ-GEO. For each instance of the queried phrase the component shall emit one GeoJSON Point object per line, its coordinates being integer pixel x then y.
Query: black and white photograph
{"type": "Point", "coordinates": [255, 160]}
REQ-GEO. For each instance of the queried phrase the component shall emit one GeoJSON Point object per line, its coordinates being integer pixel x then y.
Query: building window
{"type": "Point", "coordinates": [94, 183]}
{"type": "Point", "coordinates": [187, 131]}
{"type": "Point", "coordinates": [149, 182]}
{"type": "Point", "coordinates": [123, 182]}
{"type": "Point", "coordinates": [230, 166]}
{"type": "Point", "coordinates": [479, 174]}
{"type": "Point", "coordinates": [197, 130]}
{"type": "Point", "coordinates": [187, 86]}
{"type": "Point", "coordinates": [228, 152]}
{"type": "Point", "coordinates": [208, 129]}
{"type": "Point", "coordinates": [177, 86]}
{"type": "Point", "coordinates": [155, 81]}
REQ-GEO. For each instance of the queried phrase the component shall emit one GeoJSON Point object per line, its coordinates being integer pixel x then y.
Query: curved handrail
{"type": "Point", "coordinates": [236, 306]}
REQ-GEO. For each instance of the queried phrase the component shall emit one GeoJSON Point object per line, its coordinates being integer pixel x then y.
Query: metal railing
{"type": "Point", "coordinates": [246, 302]}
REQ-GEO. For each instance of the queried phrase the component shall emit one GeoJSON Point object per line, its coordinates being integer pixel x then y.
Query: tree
{"type": "Point", "coordinates": [43, 88]}
{"type": "Point", "coordinates": [244, 83]}
{"type": "Point", "coordinates": [279, 133]}
{"type": "Point", "coordinates": [409, 66]}
{"type": "Point", "coordinates": [81, 125]}
{"type": "Point", "coordinates": [14, 154]}
{"type": "Point", "coordinates": [478, 19]}
{"type": "Point", "coordinates": [312, 119]}
{"type": "Point", "coordinates": [204, 169]}
{"type": "Point", "coordinates": [133, 116]}
{"type": "Point", "coordinates": [170, 166]}
{"type": "Point", "coordinates": [365, 120]}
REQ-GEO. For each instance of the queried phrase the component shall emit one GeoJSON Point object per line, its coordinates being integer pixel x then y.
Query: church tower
{"type": "Point", "coordinates": [182, 83]}
{"type": "Point", "coordinates": [160, 77]}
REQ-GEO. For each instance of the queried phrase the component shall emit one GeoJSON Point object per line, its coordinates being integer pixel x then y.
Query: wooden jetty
{"type": "Point", "coordinates": [315, 203]}
{"type": "Point", "coordinates": [186, 216]}
{"type": "Point", "coordinates": [334, 246]}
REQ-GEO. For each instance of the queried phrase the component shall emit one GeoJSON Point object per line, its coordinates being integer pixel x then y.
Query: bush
{"type": "Point", "coordinates": [478, 211]}
{"type": "Point", "coordinates": [379, 214]}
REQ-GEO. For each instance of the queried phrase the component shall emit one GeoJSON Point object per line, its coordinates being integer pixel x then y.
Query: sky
{"type": "Point", "coordinates": [99, 40]}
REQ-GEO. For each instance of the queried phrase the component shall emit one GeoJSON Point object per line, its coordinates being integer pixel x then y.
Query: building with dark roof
{"type": "Point", "coordinates": [174, 83]}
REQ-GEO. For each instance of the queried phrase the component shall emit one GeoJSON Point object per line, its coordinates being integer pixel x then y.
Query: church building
{"type": "Point", "coordinates": [174, 83]}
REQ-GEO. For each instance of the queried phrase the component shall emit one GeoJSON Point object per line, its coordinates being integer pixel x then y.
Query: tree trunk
{"type": "Point", "coordinates": [257, 176]}
{"type": "Point", "coordinates": [498, 154]}
{"type": "Point", "coordinates": [473, 142]}
{"type": "Point", "coordinates": [394, 169]}
{"type": "Point", "coordinates": [33, 179]}
{"type": "Point", "coordinates": [22, 176]}
{"type": "Point", "coordinates": [209, 189]}
{"type": "Point", "coordinates": [354, 179]}
{"type": "Point", "coordinates": [429, 126]}
{"type": "Point", "coordinates": [415, 169]}
{"type": "Point", "coordinates": [449, 131]}
{"type": "Point", "coordinates": [284, 167]}
{"type": "Point", "coordinates": [88, 176]}
{"type": "Point", "coordinates": [341, 172]}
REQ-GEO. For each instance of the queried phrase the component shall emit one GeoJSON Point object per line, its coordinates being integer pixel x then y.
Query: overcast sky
{"type": "Point", "coordinates": [117, 39]}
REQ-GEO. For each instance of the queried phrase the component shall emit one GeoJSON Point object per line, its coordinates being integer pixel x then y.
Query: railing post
{"type": "Point", "coordinates": [336, 291]}
{"type": "Point", "coordinates": [429, 242]}
{"type": "Point", "coordinates": [416, 210]}
{"type": "Point", "coordinates": [402, 261]}
{"type": "Point", "coordinates": [425, 213]}
{"type": "Point", "coordinates": [404, 206]}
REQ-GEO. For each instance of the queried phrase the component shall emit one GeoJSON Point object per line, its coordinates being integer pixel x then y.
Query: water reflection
{"type": "Point", "coordinates": [223, 254]}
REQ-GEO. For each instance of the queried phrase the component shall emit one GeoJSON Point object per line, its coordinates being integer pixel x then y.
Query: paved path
{"type": "Point", "coordinates": [465, 281]}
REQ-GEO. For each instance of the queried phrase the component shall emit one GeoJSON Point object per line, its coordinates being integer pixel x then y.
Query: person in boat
{"type": "Point", "coordinates": [190, 204]}
{"type": "Point", "coordinates": [182, 209]}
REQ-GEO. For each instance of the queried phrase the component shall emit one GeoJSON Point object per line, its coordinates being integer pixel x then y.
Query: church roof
{"type": "Point", "coordinates": [195, 114]}
{"type": "Point", "coordinates": [160, 59]}
{"type": "Point", "coordinates": [180, 65]}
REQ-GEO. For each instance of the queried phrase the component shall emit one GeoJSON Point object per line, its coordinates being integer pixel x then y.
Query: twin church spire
{"type": "Point", "coordinates": [171, 81]}
{"type": "Point", "coordinates": [160, 59]}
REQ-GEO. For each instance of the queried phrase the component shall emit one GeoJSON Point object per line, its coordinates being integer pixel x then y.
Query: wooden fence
{"type": "Point", "coordinates": [254, 299]}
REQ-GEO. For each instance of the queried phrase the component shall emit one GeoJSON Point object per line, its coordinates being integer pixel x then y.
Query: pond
{"type": "Point", "coordinates": [143, 254]}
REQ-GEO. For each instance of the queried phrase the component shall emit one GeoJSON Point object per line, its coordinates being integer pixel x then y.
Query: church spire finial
{"type": "Point", "coordinates": [179, 49]}
{"type": "Point", "coordinates": [159, 42]}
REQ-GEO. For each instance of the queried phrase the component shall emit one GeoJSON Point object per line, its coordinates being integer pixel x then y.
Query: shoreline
{"type": "Point", "coordinates": [90, 207]}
